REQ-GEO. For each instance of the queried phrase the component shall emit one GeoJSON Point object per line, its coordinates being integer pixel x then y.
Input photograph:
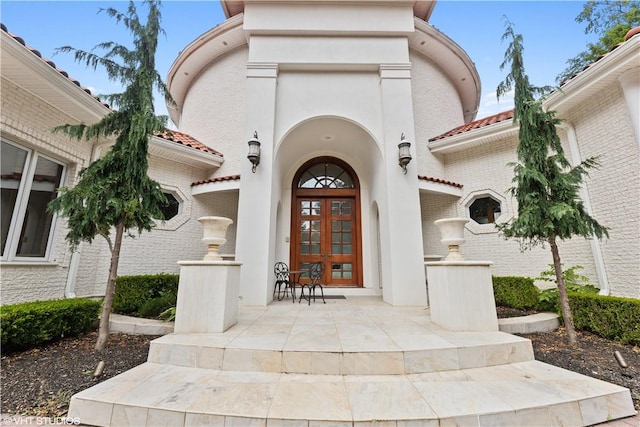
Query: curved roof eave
{"type": "Point", "coordinates": [433, 44]}
{"type": "Point", "coordinates": [421, 9]}
{"type": "Point", "coordinates": [198, 55]}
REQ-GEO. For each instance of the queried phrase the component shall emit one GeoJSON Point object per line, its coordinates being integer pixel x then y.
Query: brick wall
{"type": "Point", "coordinates": [483, 170]}
{"type": "Point", "coordinates": [603, 129]}
{"type": "Point", "coordinates": [28, 121]}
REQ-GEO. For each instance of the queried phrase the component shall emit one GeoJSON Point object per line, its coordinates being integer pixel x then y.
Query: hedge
{"type": "Point", "coordinates": [516, 292]}
{"type": "Point", "coordinates": [35, 323]}
{"type": "Point", "coordinates": [133, 292]}
{"type": "Point", "coordinates": [611, 317]}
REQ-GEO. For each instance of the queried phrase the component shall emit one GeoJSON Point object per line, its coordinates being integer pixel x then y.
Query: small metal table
{"type": "Point", "coordinates": [294, 279]}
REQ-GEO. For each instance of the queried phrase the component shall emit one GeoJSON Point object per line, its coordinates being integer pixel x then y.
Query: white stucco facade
{"type": "Point", "coordinates": [335, 82]}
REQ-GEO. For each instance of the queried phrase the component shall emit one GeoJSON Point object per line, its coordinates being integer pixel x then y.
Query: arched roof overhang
{"type": "Point", "coordinates": [229, 35]}
{"type": "Point", "coordinates": [421, 9]}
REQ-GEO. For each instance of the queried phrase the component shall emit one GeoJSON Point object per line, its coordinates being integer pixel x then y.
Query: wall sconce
{"type": "Point", "coordinates": [254, 152]}
{"type": "Point", "coordinates": [404, 155]}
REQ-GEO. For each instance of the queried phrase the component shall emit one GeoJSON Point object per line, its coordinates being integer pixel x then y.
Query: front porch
{"type": "Point", "coordinates": [350, 361]}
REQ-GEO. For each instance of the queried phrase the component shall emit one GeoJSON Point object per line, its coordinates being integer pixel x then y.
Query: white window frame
{"type": "Point", "coordinates": [184, 210]}
{"type": "Point", "coordinates": [489, 228]}
{"type": "Point", "coordinates": [22, 199]}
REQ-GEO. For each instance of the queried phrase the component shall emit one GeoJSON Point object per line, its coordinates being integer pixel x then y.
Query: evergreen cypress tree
{"type": "Point", "coordinates": [115, 192]}
{"type": "Point", "coordinates": [546, 187]}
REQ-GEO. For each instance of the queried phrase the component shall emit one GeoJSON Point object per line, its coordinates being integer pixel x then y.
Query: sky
{"type": "Point", "coordinates": [551, 36]}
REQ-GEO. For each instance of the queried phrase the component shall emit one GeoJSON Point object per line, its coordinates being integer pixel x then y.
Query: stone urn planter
{"type": "Point", "coordinates": [452, 232]}
{"type": "Point", "coordinates": [214, 235]}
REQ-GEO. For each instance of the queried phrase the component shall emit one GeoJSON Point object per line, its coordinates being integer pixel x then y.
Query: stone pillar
{"type": "Point", "coordinates": [207, 296]}
{"type": "Point", "coordinates": [256, 208]}
{"type": "Point", "coordinates": [461, 295]}
{"type": "Point", "coordinates": [400, 221]}
{"type": "Point", "coordinates": [460, 292]}
{"type": "Point", "coordinates": [208, 289]}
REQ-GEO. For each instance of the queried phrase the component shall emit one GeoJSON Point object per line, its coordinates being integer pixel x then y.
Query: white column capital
{"type": "Point", "coordinates": [629, 77]}
{"type": "Point", "coordinates": [262, 70]}
{"type": "Point", "coordinates": [630, 83]}
{"type": "Point", "coordinates": [395, 71]}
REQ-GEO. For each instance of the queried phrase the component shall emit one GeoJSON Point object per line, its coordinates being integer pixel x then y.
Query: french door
{"type": "Point", "coordinates": [326, 228]}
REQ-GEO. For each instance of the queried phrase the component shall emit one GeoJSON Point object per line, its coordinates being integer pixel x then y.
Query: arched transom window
{"type": "Point", "coordinates": [325, 175]}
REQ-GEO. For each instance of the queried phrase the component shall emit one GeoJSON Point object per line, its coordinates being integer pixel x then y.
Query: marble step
{"type": "Point", "coordinates": [312, 352]}
{"type": "Point", "coordinates": [524, 394]}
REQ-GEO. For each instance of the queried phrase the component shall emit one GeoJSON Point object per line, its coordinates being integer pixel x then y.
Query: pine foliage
{"type": "Point", "coordinates": [546, 187]}
{"type": "Point", "coordinates": [115, 189]}
{"type": "Point", "coordinates": [115, 192]}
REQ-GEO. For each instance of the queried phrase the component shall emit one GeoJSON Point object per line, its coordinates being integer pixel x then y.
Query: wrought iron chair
{"type": "Point", "coordinates": [315, 274]}
{"type": "Point", "coordinates": [281, 271]}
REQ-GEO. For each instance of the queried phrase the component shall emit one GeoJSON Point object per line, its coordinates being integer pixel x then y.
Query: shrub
{"type": "Point", "coordinates": [132, 292]}
{"type": "Point", "coordinates": [549, 299]}
{"type": "Point", "coordinates": [570, 276]}
{"type": "Point", "coordinates": [516, 292]}
{"type": "Point", "coordinates": [169, 315]}
{"type": "Point", "coordinates": [611, 317]}
{"type": "Point", "coordinates": [154, 307]}
{"type": "Point", "coordinates": [35, 323]}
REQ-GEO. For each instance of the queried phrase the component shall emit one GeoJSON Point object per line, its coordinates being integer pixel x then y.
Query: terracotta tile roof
{"type": "Point", "coordinates": [50, 63]}
{"type": "Point", "coordinates": [477, 124]}
{"type": "Point", "coordinates": [186, 140]}
{"type": "Point", "coordinates": [507, 115]}
{"type": "Point", "coordinates": [217, 179]}
{"type": "Point", "coordinates": [440, 181]}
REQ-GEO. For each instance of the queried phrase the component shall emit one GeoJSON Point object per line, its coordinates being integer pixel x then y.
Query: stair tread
{"type": "Point", "coordinates": [525, 389]}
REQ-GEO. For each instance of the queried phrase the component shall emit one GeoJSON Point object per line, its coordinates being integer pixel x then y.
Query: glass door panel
{"type": "Point", "coordinates": [326, 234]}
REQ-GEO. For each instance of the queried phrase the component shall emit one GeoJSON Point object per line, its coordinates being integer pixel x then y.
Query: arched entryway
{"type": "Point", "coordinates": [325, 225]}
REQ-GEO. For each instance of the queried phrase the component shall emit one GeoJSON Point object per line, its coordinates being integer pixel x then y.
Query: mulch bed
{"type": "Point", "coordinates": [40, 382]}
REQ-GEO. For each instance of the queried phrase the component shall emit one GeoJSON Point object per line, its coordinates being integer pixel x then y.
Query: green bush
{"type": "Point", "coordinates": [154, 307]}
{"type": "Point", "coordinates": [516, 292]}
{"type": "Point", "coordinates": [549, 299]}
{"type": "Point", "coordinates": [575, 282]}
{"type": "Point", "coordinates": [611, 317]}
{"type": "Point", "coordinates": [132, 292]}
{"type": "Point", "coordinates": [34, 323]}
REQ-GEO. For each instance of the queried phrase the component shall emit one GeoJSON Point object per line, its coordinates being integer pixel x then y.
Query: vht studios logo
{"type": "Point", "coordinates": [40, 421]}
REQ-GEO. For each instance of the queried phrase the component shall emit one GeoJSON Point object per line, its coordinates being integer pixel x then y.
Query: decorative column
{"type": "Point", "coordinates": [400, 220]}
{"type": "Point", "coordinates": [630, 83]}
{"type": "Point", "coordinates": [208, 289]}
{"type": "Point", "coordinates": [460, 291]}
{"type": "Point", "coordinates": [255, 239]}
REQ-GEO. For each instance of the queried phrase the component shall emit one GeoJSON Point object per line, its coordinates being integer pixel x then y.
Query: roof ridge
{"type": "Point", "coordinates": [187, 140]}
{"type": "Point", "coordinates": [477, 124]}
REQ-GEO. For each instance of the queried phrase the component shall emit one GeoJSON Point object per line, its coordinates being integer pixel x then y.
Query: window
{"type": "Point", "coordinates": [171, 208]}
{"type": "Point", "coordinates": [29, 182]}
{"type": "Point", "coordinates": [326, 175]}
{"type": "Point", "coordinates": [485, 210]}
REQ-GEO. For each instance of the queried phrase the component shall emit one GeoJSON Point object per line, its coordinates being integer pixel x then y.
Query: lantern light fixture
{"type": "Point", "coordinates": [254, 152]}
{"type": "Point", "coordinates": [404, 154]}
